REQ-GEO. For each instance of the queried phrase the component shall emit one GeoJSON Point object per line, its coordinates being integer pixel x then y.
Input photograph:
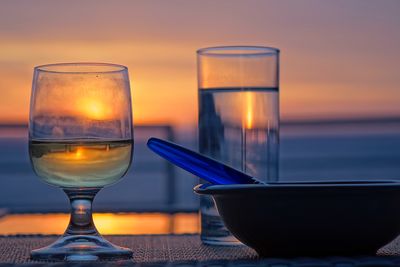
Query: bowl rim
{"type": "Point", "coordinates": [212, 189]}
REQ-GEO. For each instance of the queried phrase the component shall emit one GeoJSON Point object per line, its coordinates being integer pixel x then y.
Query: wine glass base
{"type": "Point", "coordinates": [81, 248]}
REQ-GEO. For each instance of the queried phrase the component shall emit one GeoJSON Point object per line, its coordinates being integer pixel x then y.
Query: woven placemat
{"type": "Point", "coordinates": [146, 248]}
{"type": "Point", "coordinates": [187, 250]}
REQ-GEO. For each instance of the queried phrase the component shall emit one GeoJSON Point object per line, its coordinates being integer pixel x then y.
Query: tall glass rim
{"type": "Point", "coordinates": [69, 66]}
{"type": "Point", "coordinates": [238, 50]}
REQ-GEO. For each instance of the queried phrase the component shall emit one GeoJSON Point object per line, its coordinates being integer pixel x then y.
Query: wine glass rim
{"type": "Point", "coordinates": [68, 68]}
{"type": "Point", "coordinates": [238, 50]}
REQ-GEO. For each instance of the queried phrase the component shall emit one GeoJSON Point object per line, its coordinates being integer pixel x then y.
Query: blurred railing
{"type": "Point", "coordinates": [309, 150]}
{"type": "Point", "coordinates": [169, 168]}
{"type": "Point", "coordinates": [151, 185]}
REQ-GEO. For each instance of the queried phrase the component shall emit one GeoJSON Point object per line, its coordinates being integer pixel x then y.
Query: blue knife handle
{"type": "Point", "coordinates": [199, 165]}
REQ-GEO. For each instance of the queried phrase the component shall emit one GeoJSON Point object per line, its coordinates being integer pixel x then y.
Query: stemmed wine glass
{"type": "Point", "coordinates": [81, 140]}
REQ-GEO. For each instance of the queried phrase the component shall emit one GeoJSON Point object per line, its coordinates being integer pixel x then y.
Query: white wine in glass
{"type": "Point", "coordinates": [81, 140]}
{"type": "Point", "coordinates": [82, 164]}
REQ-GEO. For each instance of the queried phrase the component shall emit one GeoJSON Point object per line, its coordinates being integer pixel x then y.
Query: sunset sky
{"type": "Point", "coordinates": [339, 58]}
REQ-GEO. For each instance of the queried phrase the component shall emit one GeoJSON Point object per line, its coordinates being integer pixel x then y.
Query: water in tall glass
{"type": "Point", "coordinates": [239, 127]}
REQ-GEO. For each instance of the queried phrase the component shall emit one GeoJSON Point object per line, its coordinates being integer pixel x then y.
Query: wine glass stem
{"type": "Point", "coordinates": [81, 221]}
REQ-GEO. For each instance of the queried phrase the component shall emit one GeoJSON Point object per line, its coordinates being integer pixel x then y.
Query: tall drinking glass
{"type": "Point", "coordinates": [80, 140]}
{"type": "Point", "coordinates": [238, 119]}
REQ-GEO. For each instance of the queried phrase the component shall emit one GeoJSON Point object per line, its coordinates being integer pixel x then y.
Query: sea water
{"type": "Point", "coordinates": [239, 127]}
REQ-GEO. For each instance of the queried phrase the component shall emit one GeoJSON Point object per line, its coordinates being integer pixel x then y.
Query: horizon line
{"type": "Point", "coordinates": [286, 122]}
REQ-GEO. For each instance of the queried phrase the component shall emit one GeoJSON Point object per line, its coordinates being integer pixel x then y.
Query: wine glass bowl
{"type": "Point", "coordinates": [81, 140]}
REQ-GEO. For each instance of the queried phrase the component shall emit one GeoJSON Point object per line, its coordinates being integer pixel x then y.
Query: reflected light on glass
{"type": "Point", "coordinates": [249, 110]}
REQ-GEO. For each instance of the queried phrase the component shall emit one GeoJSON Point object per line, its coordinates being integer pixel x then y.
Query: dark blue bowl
{"type": "Point", "coordinates": [310, 219]}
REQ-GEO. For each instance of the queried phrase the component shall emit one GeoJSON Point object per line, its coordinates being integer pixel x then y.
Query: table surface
{"type": "Point", "coordinates": [185, 250]}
